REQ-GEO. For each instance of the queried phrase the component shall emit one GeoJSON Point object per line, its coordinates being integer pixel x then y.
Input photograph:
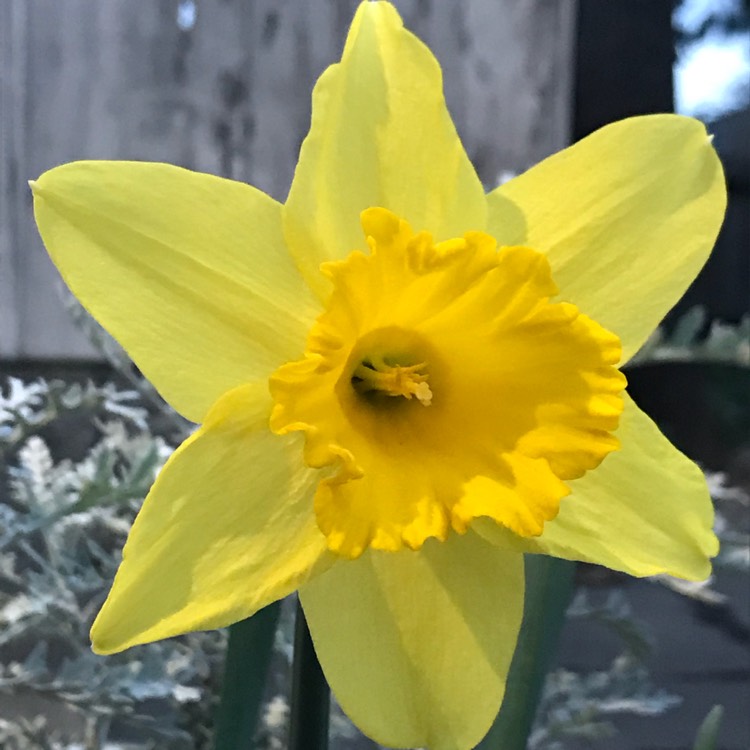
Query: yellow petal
{"type": "Point", "coordinates": [227, 528]}
{"type": "Point", "coordinates": [416, 645]}
{"type": "Point", "coordinates": [645, 510]}
{"type": "Point", "coordinates": [627, 217]}
{"type": "Point", "coordinates": [187, 271]}
{"type": "Point", "coordinates": [380, 136]}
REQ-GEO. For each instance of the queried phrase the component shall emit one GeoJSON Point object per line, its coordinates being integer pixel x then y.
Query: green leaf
{"type": "Point", "coordinates": [248, 656]}
{"type": "Point", "coordinates": [549, 589]}
{"type": "Point", "coordinates": [708, 734]}
{"type": "Point", "coordinates": [311, 696]}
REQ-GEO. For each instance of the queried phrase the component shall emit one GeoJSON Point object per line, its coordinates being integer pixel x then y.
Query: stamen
{"type": "Point", "coordinates": [376, 376]}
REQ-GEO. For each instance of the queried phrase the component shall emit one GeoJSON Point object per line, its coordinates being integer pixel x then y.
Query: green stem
{"type": "Point", "coordinates": [311, 697]}
{"type": "Point", "coordinates": [549, 589]}
{"type": "Point", "coordinates": [246, 668]}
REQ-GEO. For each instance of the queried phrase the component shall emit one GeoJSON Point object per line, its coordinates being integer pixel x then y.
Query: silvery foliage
{"type": "Point", "coordinates": [732, 522]}
{"type": "Point", "coordinates": [25, 408]}
{"type": "Point", "coordinates": [580, 706]}
{"type": "Point", "coordinates": [722, 343]}
{"type": "Point", "coordinates": [62, 524]}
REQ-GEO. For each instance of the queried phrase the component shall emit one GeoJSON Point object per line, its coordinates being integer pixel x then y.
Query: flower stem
{"type": "Point", "coordinates": [246, 668]}
{"type": "Point", "coordinates": [310, 693]}
{"type": "Point", "coordinates": [549, 589]}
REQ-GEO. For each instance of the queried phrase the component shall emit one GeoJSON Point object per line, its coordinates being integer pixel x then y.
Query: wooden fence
{"type": "Point", "coordinates": [224, 86]}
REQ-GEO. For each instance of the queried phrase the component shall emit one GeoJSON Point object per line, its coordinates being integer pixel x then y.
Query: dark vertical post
{"type": "Point", "coordinates": [623, 61]}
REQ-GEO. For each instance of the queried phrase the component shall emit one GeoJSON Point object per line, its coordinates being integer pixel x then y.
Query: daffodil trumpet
{"type": "Point", "coordinates": [403, 384]}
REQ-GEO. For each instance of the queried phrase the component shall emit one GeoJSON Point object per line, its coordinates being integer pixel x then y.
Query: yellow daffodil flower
{"type": "Point", "coordinates": [403, 384]}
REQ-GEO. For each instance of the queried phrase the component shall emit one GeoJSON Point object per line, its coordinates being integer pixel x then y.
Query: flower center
{"type": "Point", "coordinates": [523, 392]}
{"type": "Point", "coordinates": [375, 377]}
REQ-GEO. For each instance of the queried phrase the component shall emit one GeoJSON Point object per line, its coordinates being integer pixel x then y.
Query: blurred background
{"type": "Point", "coordinates": [224, 86]}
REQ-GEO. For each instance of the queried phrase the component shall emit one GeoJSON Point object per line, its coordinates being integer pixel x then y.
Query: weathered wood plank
{"type": "Point", "coordinates": [12, 157]}
{"type": "Point", "coordinates": [230, 94]}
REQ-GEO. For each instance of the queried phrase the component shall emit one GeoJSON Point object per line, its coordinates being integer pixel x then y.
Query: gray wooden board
{"type": "Point", "coordinates": [119, 79]}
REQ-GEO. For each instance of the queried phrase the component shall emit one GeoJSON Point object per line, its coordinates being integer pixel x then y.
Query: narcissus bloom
{"type": "Point", "coordinates": [403, 384]}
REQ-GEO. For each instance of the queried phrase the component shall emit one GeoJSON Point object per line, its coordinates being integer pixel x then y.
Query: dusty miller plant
{"type": "Point", "coordinates": [580, 706]}
{"type": "Point", "coordinates": [62, 524]}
